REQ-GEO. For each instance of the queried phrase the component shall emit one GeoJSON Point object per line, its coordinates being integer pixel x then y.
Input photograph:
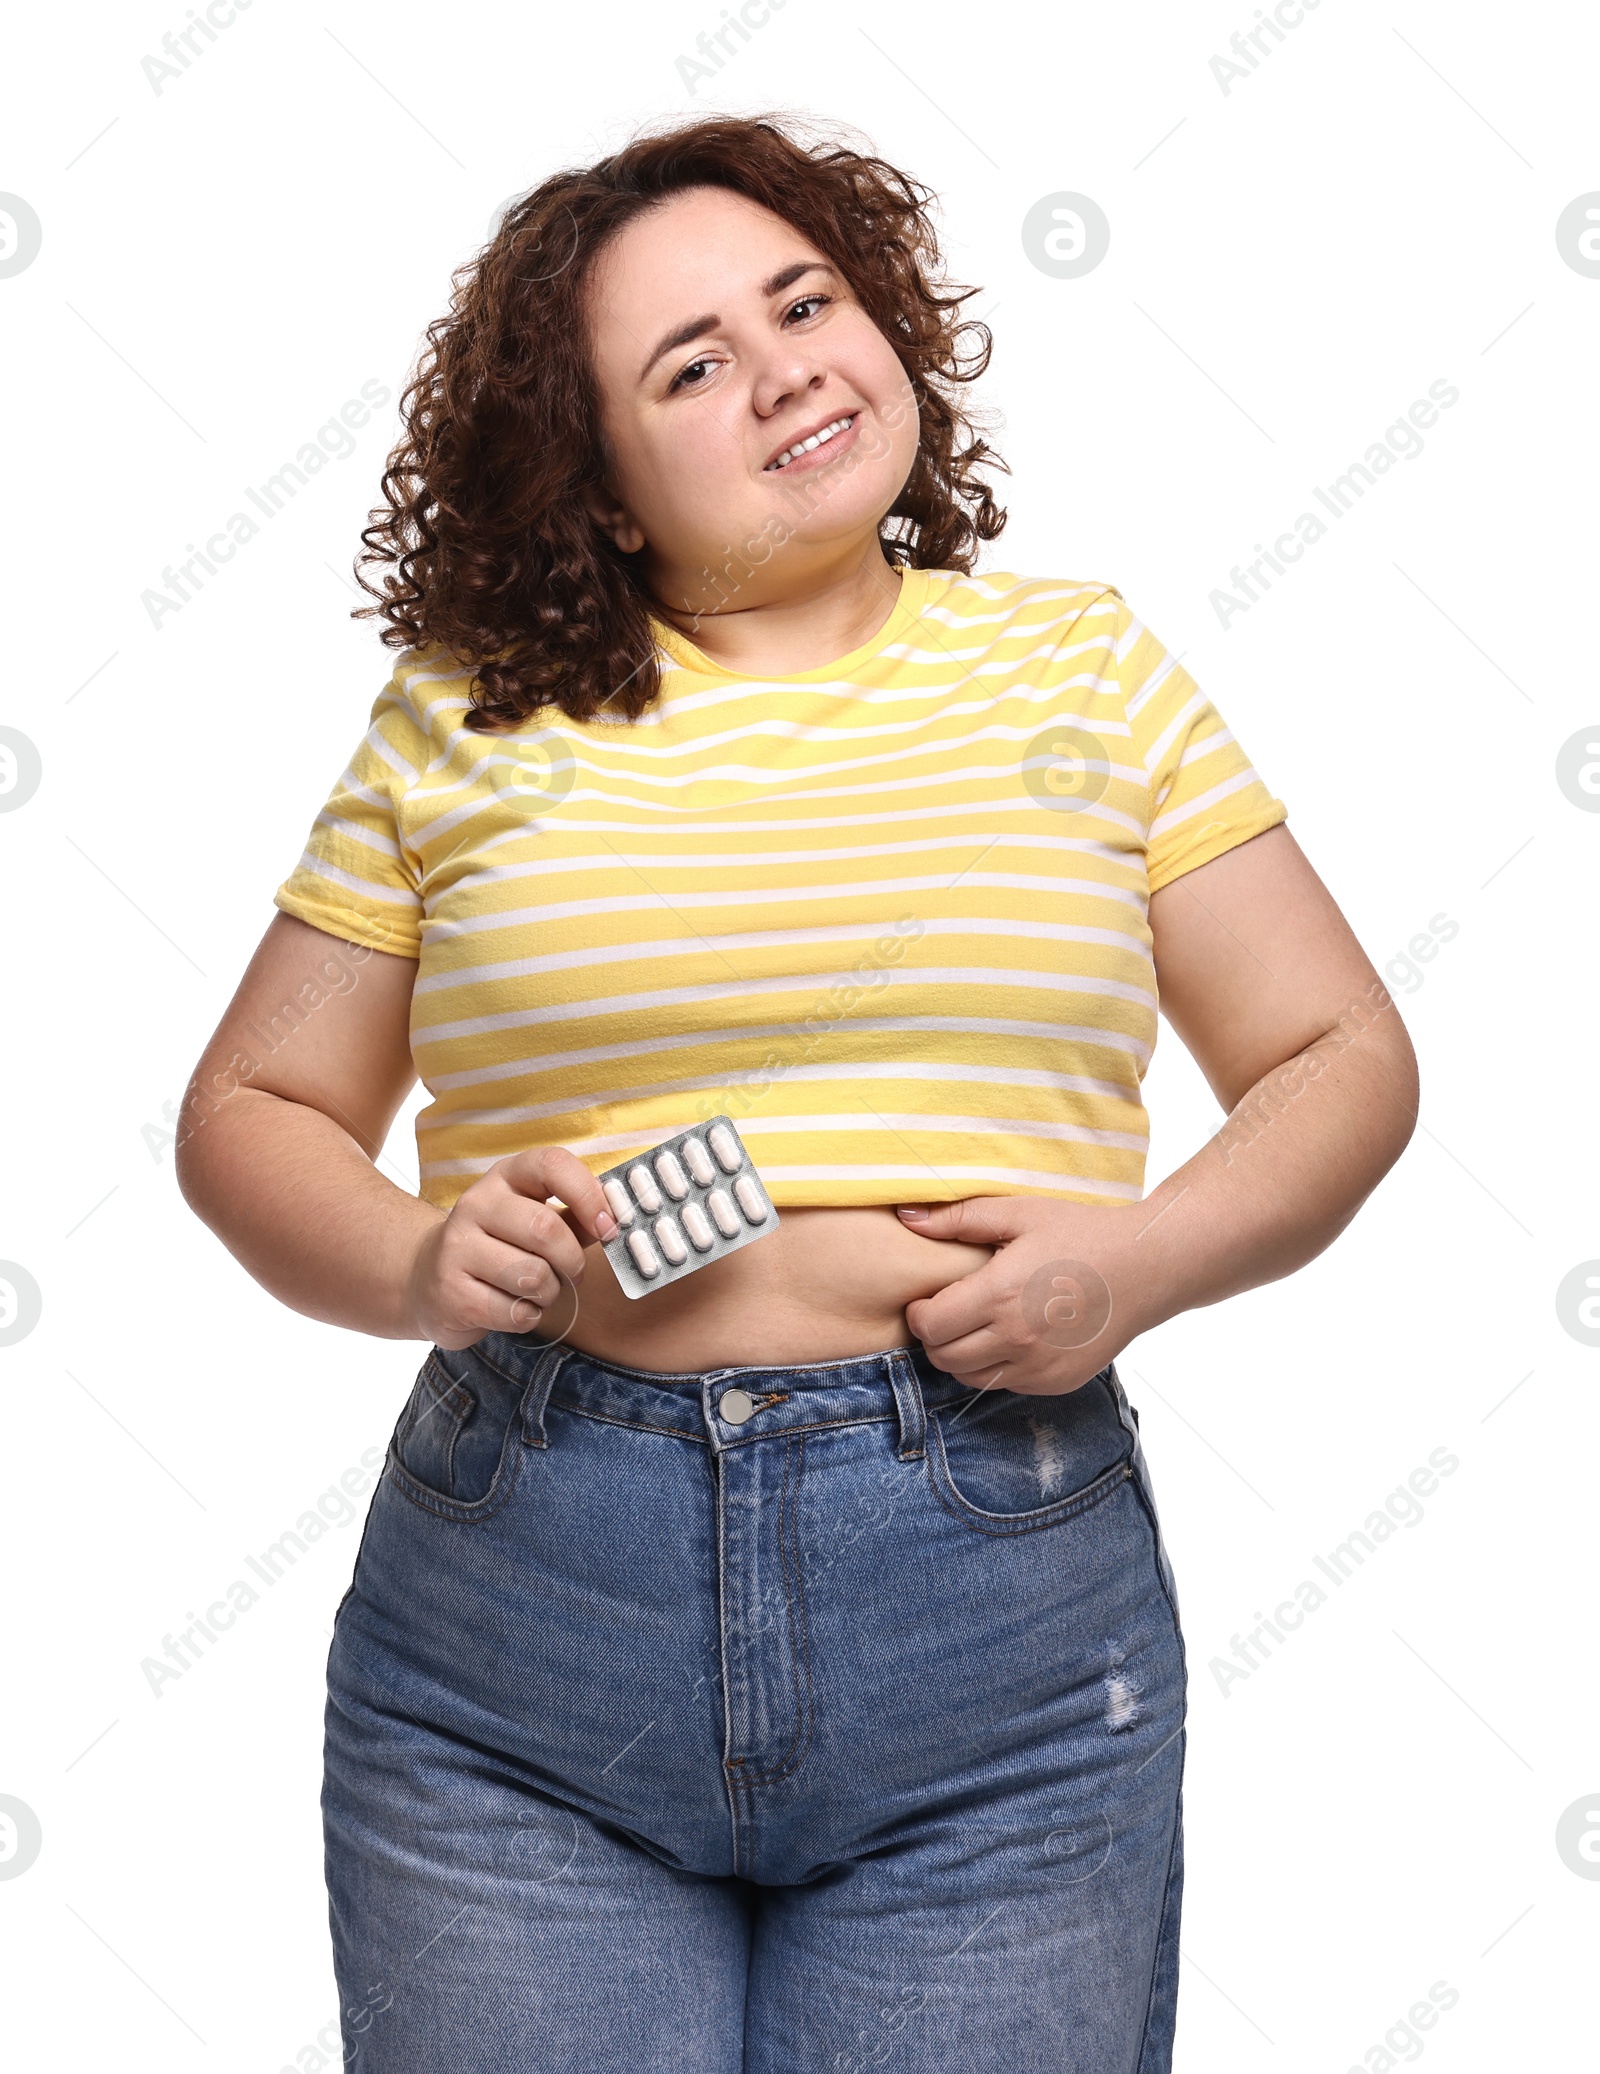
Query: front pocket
{"type": "Point", "coordinates": [1007, 1463]}
{"type": "Point", "coordinates": [455, 1446]}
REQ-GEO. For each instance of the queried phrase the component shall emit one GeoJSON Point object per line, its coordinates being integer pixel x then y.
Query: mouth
{"type": "Point", "coordinates": [799, 451]}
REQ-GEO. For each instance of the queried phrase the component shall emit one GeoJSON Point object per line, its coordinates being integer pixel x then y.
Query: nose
{"type": "Point", "coordinates": [789, 372]}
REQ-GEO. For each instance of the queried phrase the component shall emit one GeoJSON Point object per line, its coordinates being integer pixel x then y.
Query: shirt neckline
{"type": "Point", "coordinates": [915, 587]}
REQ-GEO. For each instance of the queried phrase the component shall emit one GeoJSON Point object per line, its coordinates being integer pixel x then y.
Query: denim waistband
{"type": "Point", "coordinates": [782, 1397]}
{"type": "Point", "coordinates": [779, 1397]}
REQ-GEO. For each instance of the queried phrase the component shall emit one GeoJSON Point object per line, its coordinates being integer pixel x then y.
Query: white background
{"type": "Point", "coordinates": [1292, 262]}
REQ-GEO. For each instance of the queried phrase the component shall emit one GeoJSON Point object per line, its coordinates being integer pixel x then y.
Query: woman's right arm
{"type": "Point", "coordinates": [283, 1121]}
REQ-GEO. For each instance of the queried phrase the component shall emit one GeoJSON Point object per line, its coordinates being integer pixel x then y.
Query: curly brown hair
{"type": "Point", "coordinates": [497, 562]}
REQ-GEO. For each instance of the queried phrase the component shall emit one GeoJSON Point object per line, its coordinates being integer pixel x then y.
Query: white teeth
{"type": "Point", "coordinates": [805, 446]}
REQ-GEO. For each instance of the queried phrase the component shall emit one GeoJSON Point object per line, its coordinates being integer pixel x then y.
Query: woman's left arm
{"type": "Point", "coordinates": [1264, 982]}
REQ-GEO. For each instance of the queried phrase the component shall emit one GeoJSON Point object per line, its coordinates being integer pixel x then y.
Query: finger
{"type": "Point", "coordinates": [971, 1353]}
{"type": "Point", "coordinates": [985, 1360]}
{"type": "Point", "coordinates": [981, 1220]}
{"type": "Point", "coordinates": [504, 1215]}
{"type": "Point", "coordinates": [481, 1308]}
{"type": "Point", "coordinates": [979, 1377]}
{"type": "Point", "coordinates": [606, 1226]}
{"type": "Point", "coordinates": [967, 1305]}
{"type": "Point", "coordinates": [553, 1170]}
{"type": "Point", "coordinates": [515, 1273]}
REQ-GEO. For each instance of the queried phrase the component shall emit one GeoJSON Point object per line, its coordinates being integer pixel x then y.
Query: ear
{"type": "Point", "coordinates": [615, 520]}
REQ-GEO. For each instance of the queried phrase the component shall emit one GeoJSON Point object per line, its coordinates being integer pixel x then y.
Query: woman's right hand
{"type": "Point", "coordinates": [501, 1257]}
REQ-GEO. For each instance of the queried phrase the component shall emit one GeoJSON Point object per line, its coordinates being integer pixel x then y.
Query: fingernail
{"type": "Point", "coordinates": [912, 1212]}
{"type": "Point", "coordinates": [606, 1225]}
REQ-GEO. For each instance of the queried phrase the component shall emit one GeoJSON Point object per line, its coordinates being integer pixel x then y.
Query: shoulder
{"type": "Point", "coordinates": [426, 681]}
{"type": "Point", "coordinates": [424, 699]}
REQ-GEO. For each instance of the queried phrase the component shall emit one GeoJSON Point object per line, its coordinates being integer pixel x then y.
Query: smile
{"type": "Point", "coordinates": [811, 443]}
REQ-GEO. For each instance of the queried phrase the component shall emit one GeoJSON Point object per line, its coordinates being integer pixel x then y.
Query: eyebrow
{"type": "Point", "coordinates": [697, 327]}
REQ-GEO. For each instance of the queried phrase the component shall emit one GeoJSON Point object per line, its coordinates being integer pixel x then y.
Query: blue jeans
{"type": "Point", "coordinates": [769, 1719]}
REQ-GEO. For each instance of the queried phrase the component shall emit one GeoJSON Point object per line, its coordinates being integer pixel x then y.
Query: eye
{"type": "Point", "coordinates": [678, 377]}
{"type": "Point", "coordinates": [680, 381]}
{"type": "Point", "coordinates": [817, 298]}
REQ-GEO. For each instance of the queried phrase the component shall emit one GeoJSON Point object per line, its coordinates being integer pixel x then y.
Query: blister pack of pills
{"type": "Point", "coordinates": [683, 1204]}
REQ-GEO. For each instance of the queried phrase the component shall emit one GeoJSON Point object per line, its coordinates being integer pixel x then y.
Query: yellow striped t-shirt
{"type": "Point", "coordinates": [889, 915]}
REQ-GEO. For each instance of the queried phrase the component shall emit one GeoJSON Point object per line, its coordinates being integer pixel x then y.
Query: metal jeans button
{"type": "Point", "coordinates": [736, 1406]}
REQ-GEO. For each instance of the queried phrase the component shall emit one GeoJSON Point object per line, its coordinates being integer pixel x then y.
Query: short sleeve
{"type": "Point", "coordinates": [1205, 794]}
{"type": "Point", "coordinates": [355, 877]}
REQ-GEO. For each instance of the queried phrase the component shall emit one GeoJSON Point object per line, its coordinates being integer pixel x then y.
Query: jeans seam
{"type": "Point", "coordinates": [908, 1391]}
{"type": "Point", "coordinates": [506, 1375]}
{"type": "Point", "coordinates": [434, 1389]}
{"type": "Point", "coordinates": [455, 1396]}
{"type": "Point", "coordinates": [812, 1426]}
{"type": "Point", "coordinates": [587, 1411]}
{"type": "Point", "coordinates": [1158, 1550]}
{"type": "Point", "coordinates": [699, 1375]}
{"type": "Point", "coordinates": [607, 1418]}
{"type": "Point", "coordinates": [730, 1765]}
{"type": "Point", "coordinates": [355, 1567]}
{"type": "Point", "coordinates": [804, 1694]}
{"type": "Point", "coordinates": [1166, 1902]}
{"type": "Point", "coordinates": [452, 1438]}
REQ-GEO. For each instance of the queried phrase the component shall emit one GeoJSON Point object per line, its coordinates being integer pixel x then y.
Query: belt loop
{"type": "Point", "coordinates": [909, 1403]}
{"type": "Point", "coordinates": [537, 1395]}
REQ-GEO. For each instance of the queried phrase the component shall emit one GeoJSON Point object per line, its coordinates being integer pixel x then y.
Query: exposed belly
{"type": "Point", "coordinates": [827, 1284]}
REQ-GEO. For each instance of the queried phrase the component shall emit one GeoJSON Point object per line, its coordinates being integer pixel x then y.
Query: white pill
{"type": "Point", "coordinates": [617, 1196]}
{"type": "Point", "coordinates": [726, 1146]}
{"type": "Point", "coordinates": [698, 1161]}
{"type": "Point", "coordinates": [671, 1176]}
{"type": "Point", "coordinates": [722, 1210]}
{"type": "Point", "coordinates": [644, 1254]}
{"type": "Point", "coordinates": [645, 1190]}
{"type": "Point", "coordinates": [750, 1199]}
{"type": "Point", "coordinates": [695, 1224]}
{"type": "Point", "coordinates": [670, 1240]}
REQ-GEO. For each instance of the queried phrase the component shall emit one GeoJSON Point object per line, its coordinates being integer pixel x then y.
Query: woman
{"type": "Point", "coordinates": [782, 1669]}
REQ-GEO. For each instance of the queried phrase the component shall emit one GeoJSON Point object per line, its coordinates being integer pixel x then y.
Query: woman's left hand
{"type": "Point", "coordinates": [1070, 1285]}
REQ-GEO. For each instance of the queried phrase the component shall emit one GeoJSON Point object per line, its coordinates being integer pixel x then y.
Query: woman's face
{"type": "Point", "coordinates": [721, 337]}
